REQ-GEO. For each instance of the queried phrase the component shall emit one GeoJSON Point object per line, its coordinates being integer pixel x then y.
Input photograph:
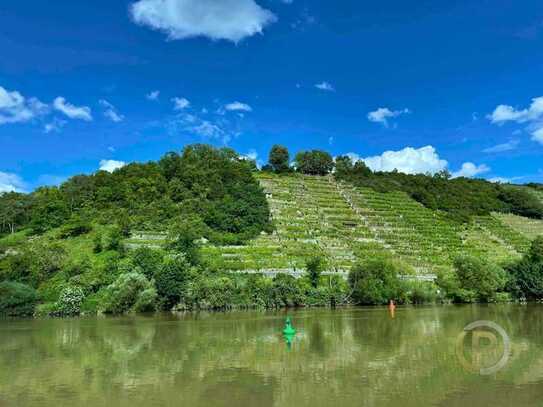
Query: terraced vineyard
{"type": "Point", "coordinates": [530, 228]}
{"type": "Point", "coordinates": [317, 215]}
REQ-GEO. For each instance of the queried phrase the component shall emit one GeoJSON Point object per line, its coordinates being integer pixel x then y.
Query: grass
{"type": "Point", "coordinates": [530, 228]}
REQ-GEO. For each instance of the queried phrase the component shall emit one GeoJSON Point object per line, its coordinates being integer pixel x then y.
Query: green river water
{"type": "Point", "coordinates": [344, 357]}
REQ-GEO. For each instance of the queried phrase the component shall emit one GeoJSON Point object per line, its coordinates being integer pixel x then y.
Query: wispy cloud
{"type": "Point", "coordinates": [15, 108]}
{"type": "Point", "coordinates": [382, 114]}
{"type": "Point", "coordinates": [500, 148]}
{"type": "Point", "coordinates": [238, 107]}
{"type": "Point", "coordinates": [325, 86]}
{"type": "Point", "coordinates": [111, 111]}
{"type": "Point", "coordinates": [153, 95]}
{"type": "Point", "coordinates": [72, 111]}
{"type": "Point", "coordinates": [180, 103]}
{"type": "Point", "coordinates": [54, 126]}
{"type": "Point", "coordinates": [205, 128]}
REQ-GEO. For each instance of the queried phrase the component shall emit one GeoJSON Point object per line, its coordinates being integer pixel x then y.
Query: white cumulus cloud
{"type": "Point", "coordinates": [409, 160]}
{"type": "Point", "coordinates": [470, 170]}
{"type": "Point", "coordinates": [239, 107]}
{"type": "Point", "coordinates": [231, 20]}
{"type": "Point", "coordinates": [326, 86]}
{"type": "Point", "coordinates": [111, 111]}
{"type": "Point", "coordinates": [71, 111]}
{"type": "Point", "coordinates": [15, 108]}
{"type": "Point", "coordinates": [382, 114]}
{"type": "Point", "coordinates": [533, 115]}
{"type": "Point", "coordinates": [537, 135]}
{"type": "Point", "coordinates": [505, 113]}
{"type": "Point", "coordinates": [111, 165]}
{"type": "Point", "coordinates": [416, 161]}
{"type": "Point", "coordinates": [11, 183]}
{"type": "Point", "coordinates": [180, 103]}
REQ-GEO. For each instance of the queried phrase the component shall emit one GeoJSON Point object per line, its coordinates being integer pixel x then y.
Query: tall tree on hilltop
{"type": "Point", "coordinates": [279, 158]}
{"type": "Point", "coordinates": [314, 162]}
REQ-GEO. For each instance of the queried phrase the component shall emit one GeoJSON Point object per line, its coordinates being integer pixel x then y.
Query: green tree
{"type": "Point", "coordinates": [148, 260]}
{"type": "Point", "coordinates": [376, 281]}
{"type": "Point", "coordinates": [279, 159]}
{"type": "Point", "coordinates": [479, 278]}
{"type": "Point", "coordinates": [17, 299]}
{"type": "Point", "coordinates": [344, 166]}
{"type": "Point", "coordinates": [314, 162]}
{"type": "Point", "coordinates": [49, 210]}
{"type": "Point", "coordinates": [314, 268]}
{"type": "Point", "coordinates": [286, 291]}
{"type": "Point", "coordinates": [527, 273]}
{"type": "Point", "coordinates": [360, 169]}
{"type": "Point", "coordinates": [97, 245]}
{"type": "Point", "coordinates": [171, 281]}
{"type": "Point", "coordinates": [183, 237]}
{"type": "Point", "coordinates": [521, 201]}
{"type": "Point", "coordinates": [14, 211]}
{"type": "Point", "coordinates": [130, 292]}
{"type": "Point", "coordinates": [124, 224]}
{"type": "Point", "coordinates": [69, 301]}
{"type": "Point", "coordinates": [114, 239]}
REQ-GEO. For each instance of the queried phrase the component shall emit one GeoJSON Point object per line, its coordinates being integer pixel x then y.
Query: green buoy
{"type": "Point", "coordinates": [288, 329]}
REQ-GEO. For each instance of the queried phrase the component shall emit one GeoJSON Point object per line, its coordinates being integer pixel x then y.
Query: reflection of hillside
{"type": "Point", "coordinates": [345, 357]}
{"type": "Point", "coordinates": [529, 395]}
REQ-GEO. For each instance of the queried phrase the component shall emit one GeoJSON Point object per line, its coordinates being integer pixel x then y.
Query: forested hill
{"type": "Point", "coordinates": [211, 189]}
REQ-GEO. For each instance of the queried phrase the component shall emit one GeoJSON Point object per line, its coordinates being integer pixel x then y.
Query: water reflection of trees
{"type": "Point", "coordinates": [338, 357]}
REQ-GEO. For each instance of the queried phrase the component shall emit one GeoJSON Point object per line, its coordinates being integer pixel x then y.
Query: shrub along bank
{"type": "Point", "coordinates": [147, 280]}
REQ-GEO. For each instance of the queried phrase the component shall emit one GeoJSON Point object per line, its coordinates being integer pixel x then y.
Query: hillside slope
{"type": "Point", "coordinates": [317, 215]}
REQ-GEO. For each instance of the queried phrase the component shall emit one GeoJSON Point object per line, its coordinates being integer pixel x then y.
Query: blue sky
{"type": "Point", "coordinates": [415, 85]}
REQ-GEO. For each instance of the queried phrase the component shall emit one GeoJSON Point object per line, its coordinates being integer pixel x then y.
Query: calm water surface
{"type": "Point", "coordinates": [344, 357]}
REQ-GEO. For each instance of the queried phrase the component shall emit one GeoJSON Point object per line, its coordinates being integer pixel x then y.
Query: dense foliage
{"type": "Point", "coordinates": [527, 273]}
{"type": "Point", "coordinates": [477, 279]}
{"type": "Point", "coordinates": [279, 159]}
{"type": "Point", "coordinates": [214, 185]}
{"type": "Point", "coordinates": [17, 299]}
{"type": "Point", "coordinates": [377, 281]}
{"type": "Point", "coordinates": [314, 162]}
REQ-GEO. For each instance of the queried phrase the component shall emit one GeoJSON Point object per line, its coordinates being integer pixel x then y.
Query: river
{"type": "Point", "coordinates": [420, 356]}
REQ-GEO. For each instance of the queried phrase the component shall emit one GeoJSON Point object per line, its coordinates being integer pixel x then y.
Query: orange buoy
{"type": "Point", "coordinates": [391, 308]}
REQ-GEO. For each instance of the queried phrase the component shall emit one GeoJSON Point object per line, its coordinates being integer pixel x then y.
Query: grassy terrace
{"type": "Point", "coordinates": [317, 215]}
{"type": "Point", "coordinates": [529, 228]}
